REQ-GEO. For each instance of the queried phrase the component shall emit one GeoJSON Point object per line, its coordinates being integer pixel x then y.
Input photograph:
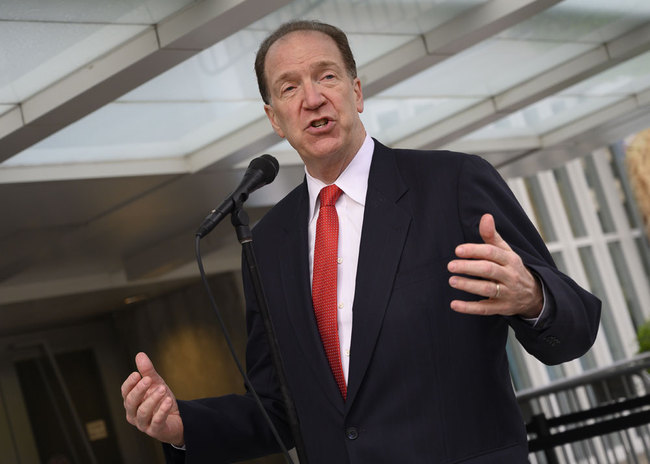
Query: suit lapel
{"type": "Point", "coordinates": [385, 226]}
{"type": "Point", "coordinates": [297, 288]}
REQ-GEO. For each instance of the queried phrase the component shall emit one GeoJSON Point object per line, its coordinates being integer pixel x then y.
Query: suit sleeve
{"type": "Point", "coordinates": [570, 327]}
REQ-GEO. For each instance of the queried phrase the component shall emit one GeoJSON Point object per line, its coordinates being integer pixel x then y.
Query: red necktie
{"type": "Point", "coordinates": [324, 280]}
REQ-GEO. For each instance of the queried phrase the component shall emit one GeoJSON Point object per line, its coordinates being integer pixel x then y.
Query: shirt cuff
{"type": "Point", "coordinates": [534, 320]}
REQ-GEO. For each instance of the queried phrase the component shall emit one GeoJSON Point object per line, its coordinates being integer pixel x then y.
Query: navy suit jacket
{"type": "Point", "coordinates": [426, 384]}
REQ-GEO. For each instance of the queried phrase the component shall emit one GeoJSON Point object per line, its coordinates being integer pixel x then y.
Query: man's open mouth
{"type": "Point", "coordinates": [319, 122]}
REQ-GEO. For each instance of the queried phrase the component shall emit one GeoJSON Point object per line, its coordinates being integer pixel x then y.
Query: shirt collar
{"type": "Point", "coordinates": [353, 180]}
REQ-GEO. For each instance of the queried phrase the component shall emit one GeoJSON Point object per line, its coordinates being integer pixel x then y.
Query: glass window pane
{"type": "Point", "coordinates": [395, 118]}
{"type": "Point", "coordinates": [31, 60]}
{"type": "Point", "coordinates": [559, 261]}
{"type": "Point", "coordinates": [625, 279]}
{"type": "Point", "coordinates": [542, 216]}
{"type": "Point", "coordinates": [456, 76]}
{"type": "Point", "coordinates": [600, 204]}
{"type": "Point", "coordinates": [518, 371]}
{"type": "Point", "coordinates": [617, 163]}
{"type": "Point", "coordinates": [555, 372]}
{"type": "Point", "coordinates": [597, 288]}
{"type": "Point", "coordinates": [588, 361]}
{"type": "Point", "coordinates": [570, 203]}
{"type": "Point", "coordinates": [584, 20]}
{"type": "Point", "coordinates": [644, 252]}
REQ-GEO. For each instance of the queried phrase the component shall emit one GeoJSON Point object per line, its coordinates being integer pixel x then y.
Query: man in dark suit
{"type": "Point", "coordinates": [406, 379]}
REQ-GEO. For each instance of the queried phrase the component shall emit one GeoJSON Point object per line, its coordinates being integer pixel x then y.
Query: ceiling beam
{"type": "Point", "coordinates": [548, 83]}
{"type": "Point", "coordinates": [582, 136]}
{"type": "Point", "coordinates": [156, 50]}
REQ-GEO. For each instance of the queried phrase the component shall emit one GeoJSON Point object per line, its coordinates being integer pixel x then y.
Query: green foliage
{"type": "Point", "coordinates": [643, 336]}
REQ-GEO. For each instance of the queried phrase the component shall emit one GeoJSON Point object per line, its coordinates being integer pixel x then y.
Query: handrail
{"type": "Point", "coordinates": [607, 410]}
{"type": "Point", "coordinates": [626, 366]}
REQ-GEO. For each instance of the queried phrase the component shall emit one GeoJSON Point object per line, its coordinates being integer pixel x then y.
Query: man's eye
{"type": "Point", "coordinates": [288, 88]}
{"type": "Point", "coordinates": [329, 76]}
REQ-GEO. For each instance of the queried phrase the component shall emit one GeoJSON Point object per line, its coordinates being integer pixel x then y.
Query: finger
{"type": "Point", "coordinates": [146, 369]}
{"type": "Point", "coordinates": [483, 269]}
{"type": "Point", "coordinates": [134, 399]}
{"type": "Point", "coordinates": [159, 418]}
{"type": "Point", "coordinates": [476, 308]}
{"type": "Point", "coordinates": [489, 234]}
{"type": "Point", "coordinates": [149, 407]}
{"type": "Point", "coordinates": [485, 288]}
{"type": "Point", "coordinates": [484, 252]}
{"type": "Point", "coordinates": [129, 383]}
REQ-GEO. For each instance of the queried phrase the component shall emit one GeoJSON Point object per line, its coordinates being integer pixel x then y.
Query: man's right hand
{"type": "Point", "coordinates": [150, 404]}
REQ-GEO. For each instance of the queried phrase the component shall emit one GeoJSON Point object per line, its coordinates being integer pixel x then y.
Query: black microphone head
{"type": "Point", "coordinates": [267, 165]}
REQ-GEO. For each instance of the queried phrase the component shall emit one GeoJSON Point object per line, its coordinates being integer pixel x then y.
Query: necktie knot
{"type": "Point", "coordinates": [329, 195]}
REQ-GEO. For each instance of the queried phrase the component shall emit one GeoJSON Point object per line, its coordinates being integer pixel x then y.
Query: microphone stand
{"type": "Point", "coordinates": [239, 219]}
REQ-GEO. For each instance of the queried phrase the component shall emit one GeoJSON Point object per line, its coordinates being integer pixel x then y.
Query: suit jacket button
{"type": "Point", "coordinates": [552, 340]}
{"type": "Point", "coordinates": [352, 433]}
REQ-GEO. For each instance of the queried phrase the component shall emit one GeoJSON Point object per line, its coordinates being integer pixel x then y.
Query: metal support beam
{"type": "Point", "coordinates": [149, 54]}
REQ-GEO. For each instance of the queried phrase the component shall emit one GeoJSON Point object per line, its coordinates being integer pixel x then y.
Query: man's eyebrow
{"type": "Point", "coordinates": [288, 75]}
{"type": "Point", "coordinates": [325, 64]}
{"type": "Point", "coordinates": [282, 77]}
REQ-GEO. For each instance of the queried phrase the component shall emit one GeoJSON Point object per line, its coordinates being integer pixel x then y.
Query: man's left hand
{"type": "Point", "coordinates": [498, 274]}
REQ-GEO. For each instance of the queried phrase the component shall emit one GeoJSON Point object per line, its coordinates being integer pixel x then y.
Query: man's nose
{"type": "Point", "coordinates": [314, 98]}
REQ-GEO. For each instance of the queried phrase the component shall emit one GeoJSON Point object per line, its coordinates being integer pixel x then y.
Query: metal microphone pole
{"type": "Point", "coordinates": [239, 219]}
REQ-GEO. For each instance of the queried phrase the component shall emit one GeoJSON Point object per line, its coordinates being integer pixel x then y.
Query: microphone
{"type": "Point", "coordinates": [261, 171]}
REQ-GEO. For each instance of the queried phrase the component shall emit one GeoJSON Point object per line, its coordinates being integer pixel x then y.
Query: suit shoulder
{"type": "Point", "coordinates": [283, 210]}
{"type": "Point", "coordinates": [441, 161]}
{"type": "Point", "coordinates": [433, 156]}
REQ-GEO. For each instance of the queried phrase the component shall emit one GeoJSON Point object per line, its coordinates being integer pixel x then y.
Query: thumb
{"type": "Point", "coordinates": [145, 367]}
{"type": "Point", "coordinates": [489, 234]}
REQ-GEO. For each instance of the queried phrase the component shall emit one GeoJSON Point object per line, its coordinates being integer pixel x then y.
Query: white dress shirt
{"type": "Point", "coordinates": [349, 207]}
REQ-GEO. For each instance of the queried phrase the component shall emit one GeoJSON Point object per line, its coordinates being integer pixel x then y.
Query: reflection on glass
{"type": "Point", "coordinates": [518, 371]}
{"type": "Point", "coordinates": [570, 203]}
{"type": "Point", "coordinates": [629, 292]}
{"type": "Point", "coordinates": [617, 164]}
{"type": "Point", "coordinates": [644, 252]}
{"type": "Point", "coordinates": [588, 361]}
{"type": "Point", "coordinates": [540, 210]}
{"type": "Point", "coordinates": [597, 288]}
{"type": "Point", "coordinates": [393, 119]}
{"type": "Point", "coordinates": [555, 372]}
{"type": "Point", "coordinates": [600, 204]}
{"type": "Point", "coordinates": [559, 261]}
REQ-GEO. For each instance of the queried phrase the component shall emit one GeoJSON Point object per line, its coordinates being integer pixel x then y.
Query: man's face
{"type": "Point", "coordinates": [315, 104]}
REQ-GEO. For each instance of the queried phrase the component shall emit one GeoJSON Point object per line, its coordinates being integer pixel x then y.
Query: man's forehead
{"type": "Point", "coordinates": [285, 44]}
{"type": "Point", "coordinates": [289, 48]}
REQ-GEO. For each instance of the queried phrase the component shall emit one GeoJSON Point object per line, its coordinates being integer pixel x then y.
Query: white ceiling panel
{"type": "Point", "coordinates": [632, 76]}
{"type": "Point", "coordinates": [372, 16]}
{"type": "Point", "coordinates": [126, 131]}
{"type": "Point", "coordinates": [394, 119]}
{"type": "Point", "coordinates": [479, 71]}
{"type": "Point", "coordinates": [35, 54]}
{"type": "Point", "coordinates": [83, 11]}
{"type": "Point", "coordinates": [5, 108]}
{"type": "Point", "coordinates": [542, 117]}
{"type": "Point", "coordinates": [591, 21]}
{"type": "Point", "coordinates": [589, 96]}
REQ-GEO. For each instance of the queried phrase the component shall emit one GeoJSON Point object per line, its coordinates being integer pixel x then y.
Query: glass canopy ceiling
{"type": "Point", "coordinates": [440, 73]}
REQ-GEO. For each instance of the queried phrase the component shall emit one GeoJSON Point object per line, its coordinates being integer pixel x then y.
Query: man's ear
{"type": "Point", "coordinates": [270, 113]}
{"type": "Point", "coordinates": [358, 94]}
